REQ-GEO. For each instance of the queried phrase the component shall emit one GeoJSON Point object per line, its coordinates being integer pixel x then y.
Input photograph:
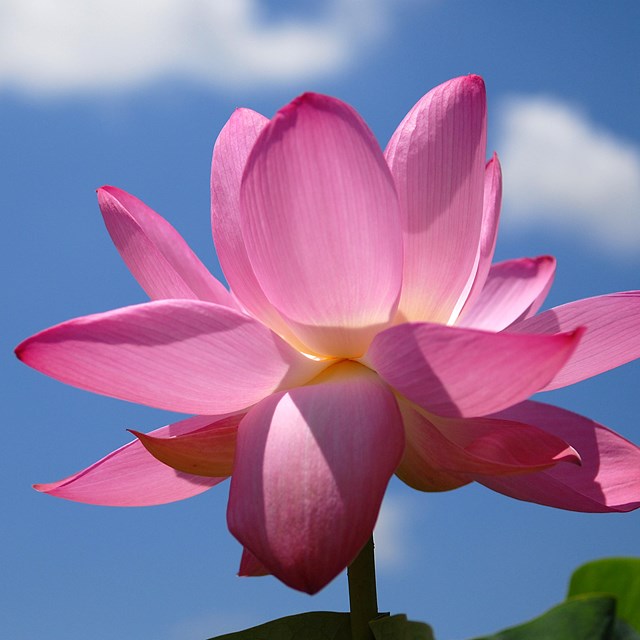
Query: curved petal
{"type": "Point", "coordinates": [457, 372]}
{"type": "Point", "coordinates": [131, 477]}
{"type": "Point", "coordinates": [250, 566]}
{"type": "Point", "coordinates": [513, 289]}
{"type": "Point", "coordinates": [492, 203]}
{"type": "Point", "coordinates": [156, 254]}
{"type": "Point", "coordinates": [320, 222]}
{"type": "Point", "coordinates": [456, 447]}
{"type": "Point", "coordinates": [612, 334]}
{"type": "Point", "coordinates": [608, 480]}
{"type": "Point", "coordinates": [181, 355]}
{"type": "Point", "coordinates": [230, 155]}
{"type": "Point", "coordinates": [437, 158]}
{"type": "Point", "coordinates": [311, 469]}
{"type": "Point", "coordinates": [206, 452]}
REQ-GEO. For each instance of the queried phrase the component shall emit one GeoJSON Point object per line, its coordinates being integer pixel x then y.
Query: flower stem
{"type": "Point", "coordinates": [363, 599]}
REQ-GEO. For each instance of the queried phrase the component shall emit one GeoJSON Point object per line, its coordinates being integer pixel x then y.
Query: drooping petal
{"type": "Point", "coordinates": [230, 155]}
{"type": "Point", "coordinates": [608, 480]}
{"type": "Point", "coordinates": [441, 452]}
{"type": "Point", "coordinates": [132, 477]}
{"type": "Point", "coordinates": [181, 355]}
{"type": "Point", "coordinates": [437, 158]}
{"type": "Point", "coordinates": [320, 222]}
{"type": "Point", "coordinates": [250, 566]}
{"type": "Point", "coordinates": [206, 452]}
{"type": "Point", "coordinates": [457, 372]}
{"type": "Point", "coordinates": [612, 335]}
{"type": "Point", "coordinates": [513, 289]}
{"type": "Point", "coordinates": [492, 203]}
{"type": "Point", "coordinates": [156, 254]}
{"type": "Point", "coordinates": [311, 469]}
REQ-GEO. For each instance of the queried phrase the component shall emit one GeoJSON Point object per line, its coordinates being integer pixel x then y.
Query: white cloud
{"type": "Point", "coordinates": [391, 539]}
{"type": "Point", "coordinates": [99, 45]}
{"type": "Point", "coordinates": [562, 171]}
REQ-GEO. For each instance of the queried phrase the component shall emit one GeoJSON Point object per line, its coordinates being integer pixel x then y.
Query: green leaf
{"type": "Point", "coordinates": [619, 577]}
{"type": "Point", "coordinates": [581, 618]}
{"type": "Point", "coordinates": [624, 631]}
{"type": "Point", "coordinates": [399, 628]}
{"type": "Point", "coordinates": [318, 625]}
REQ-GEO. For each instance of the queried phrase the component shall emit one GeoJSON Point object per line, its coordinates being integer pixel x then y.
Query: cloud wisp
{"type": "Point", "coordinates": [565, 173]}
{"type": "Point", "coordinates": [75, 46]}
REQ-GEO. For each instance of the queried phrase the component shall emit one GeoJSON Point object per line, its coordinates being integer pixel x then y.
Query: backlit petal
{"type": "Point", "coordinates": [437, 158]}
{"type": "Point", "coordinates": [459, 372]}
{"type": "Point", "coordinates": [250, 566]}
{"type": "Point", "coordinates": [608, 480]}
{"type": "Point", "coordinates": [513, 289]}
{"type": "Point", "coordinates": [230, 155]}
{"type": "Point", "coordinates": [206, 452]}
{"type": "Point", "coordinates": [156, 254]}
{"type": "Point", "coordinates": [311, 470]}
{"type": "Point", "coordinates": [181, 355]}
{"type": "Point", "coordinates": [320, 221]}
{"type": "Point", "coordinates": [132, 477]}
{"type": "Point", "coordinates": [612, 335]}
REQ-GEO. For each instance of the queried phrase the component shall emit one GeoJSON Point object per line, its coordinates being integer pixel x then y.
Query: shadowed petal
{"type": "Point", "coordinates": [612, 335]}
{"type": "Point", "coordinates": [230, 155]}
{"type": "Point", "coordinates": [132, 477]}
{"type": "Point", "coordinates": [206, 452]}
{"type": "Point", "coordinates": [437, 158]}
{"type": "Point", "coordinates": [157, 256]}
{"type": "Point", "coordinates": [250, 566]}
{"type": "Point", "coordinates": [608, 480]}
{"type": "Point", "coordinates": [513, 289]}
{"type": "Point", "coordinates": [311, 469]}
{"type": "Point", "coordinates": [181, 355]}
{"type": "Point", "coordinates": [457, 372]}
{"type": "Point", "coordinates": [492, 202]}
{"type": "Point", "coordinates": [320, 222]}
{"type": "Point", "coordinates": [441, 452]}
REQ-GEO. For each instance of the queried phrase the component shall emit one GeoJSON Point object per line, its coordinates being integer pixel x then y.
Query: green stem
{"type": "Point", "coordinates": [363, 598]}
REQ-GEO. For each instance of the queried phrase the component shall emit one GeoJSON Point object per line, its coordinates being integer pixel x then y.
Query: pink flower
{"type": "Point", "coordinates": [365, 334]}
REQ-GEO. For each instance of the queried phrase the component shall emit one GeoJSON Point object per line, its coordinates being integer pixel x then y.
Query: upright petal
{"type": "Point", "coordinates": [311, 469]}
{"type": "Point", "coordinates": [492, 203]}
{"type": "Point", "coordinates": [181, 355]}
{"type": "Point", "coordinates": [441, 453]}
{"type": "Point", "coordinates": [608, 479]}
{"type": "Point", "coordinates": [132, 477]}
{"type": "Point", "coordinates": [456, 372]}
{"type": "Point", "coordinates": [230, 155]}
{"type": "Point", "coordinates": [156, 254]}
{"type": "Point", "coordinates": [514, 289]}
{"type": "Point", "coordinates": [437, 158]}
{"type": "Point", "coordinates": [612, 334]}
{"type": "Point", "coordinates": [206, 452]}
{"type": "Point", "coordinates": [321, 225]}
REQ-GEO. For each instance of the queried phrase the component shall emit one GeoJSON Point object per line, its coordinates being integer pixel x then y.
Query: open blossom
{"type": "Point", "coordinates": [365, 333]}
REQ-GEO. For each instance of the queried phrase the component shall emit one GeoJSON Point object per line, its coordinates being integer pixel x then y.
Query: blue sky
{"type": "Point", "coordinates": [134, 96]}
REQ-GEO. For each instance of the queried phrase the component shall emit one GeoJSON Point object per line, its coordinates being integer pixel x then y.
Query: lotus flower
{"type": "Point", "coordinates": [365, 333]}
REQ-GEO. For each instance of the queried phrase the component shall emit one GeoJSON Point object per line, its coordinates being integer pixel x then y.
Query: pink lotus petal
{"type": "Point", "coordinates": [492, 202]}
{"type": "Point", "coordinates": [612, 335]}
{"type": "Point", "coordinates": [457, 372]}
{"type": "Point", "coordinates": [320, 221]}
{"type": "Point", "coordinates": [608, 480]}
{"type": "Point", "coordinates": [437, 158]}
{"type": "Point", "coordinates": [206, 452]}
{"type": "Point", "coordinates": [181, 355]}
{"type": "Point", "coordinates": [157, 256]}
{"type": "Point", "coordinates": [513, 289]}
{"type": "Point", "coordinates": [250, 566]}
{"type": "Point", "coordinates": [132, 477]}
{"type": "Point", "coordinates": [441, 452]}
{"type": "Point", "coordinates": [230, 155]}
{"type": "Point", "coordinates": [311, 469]}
